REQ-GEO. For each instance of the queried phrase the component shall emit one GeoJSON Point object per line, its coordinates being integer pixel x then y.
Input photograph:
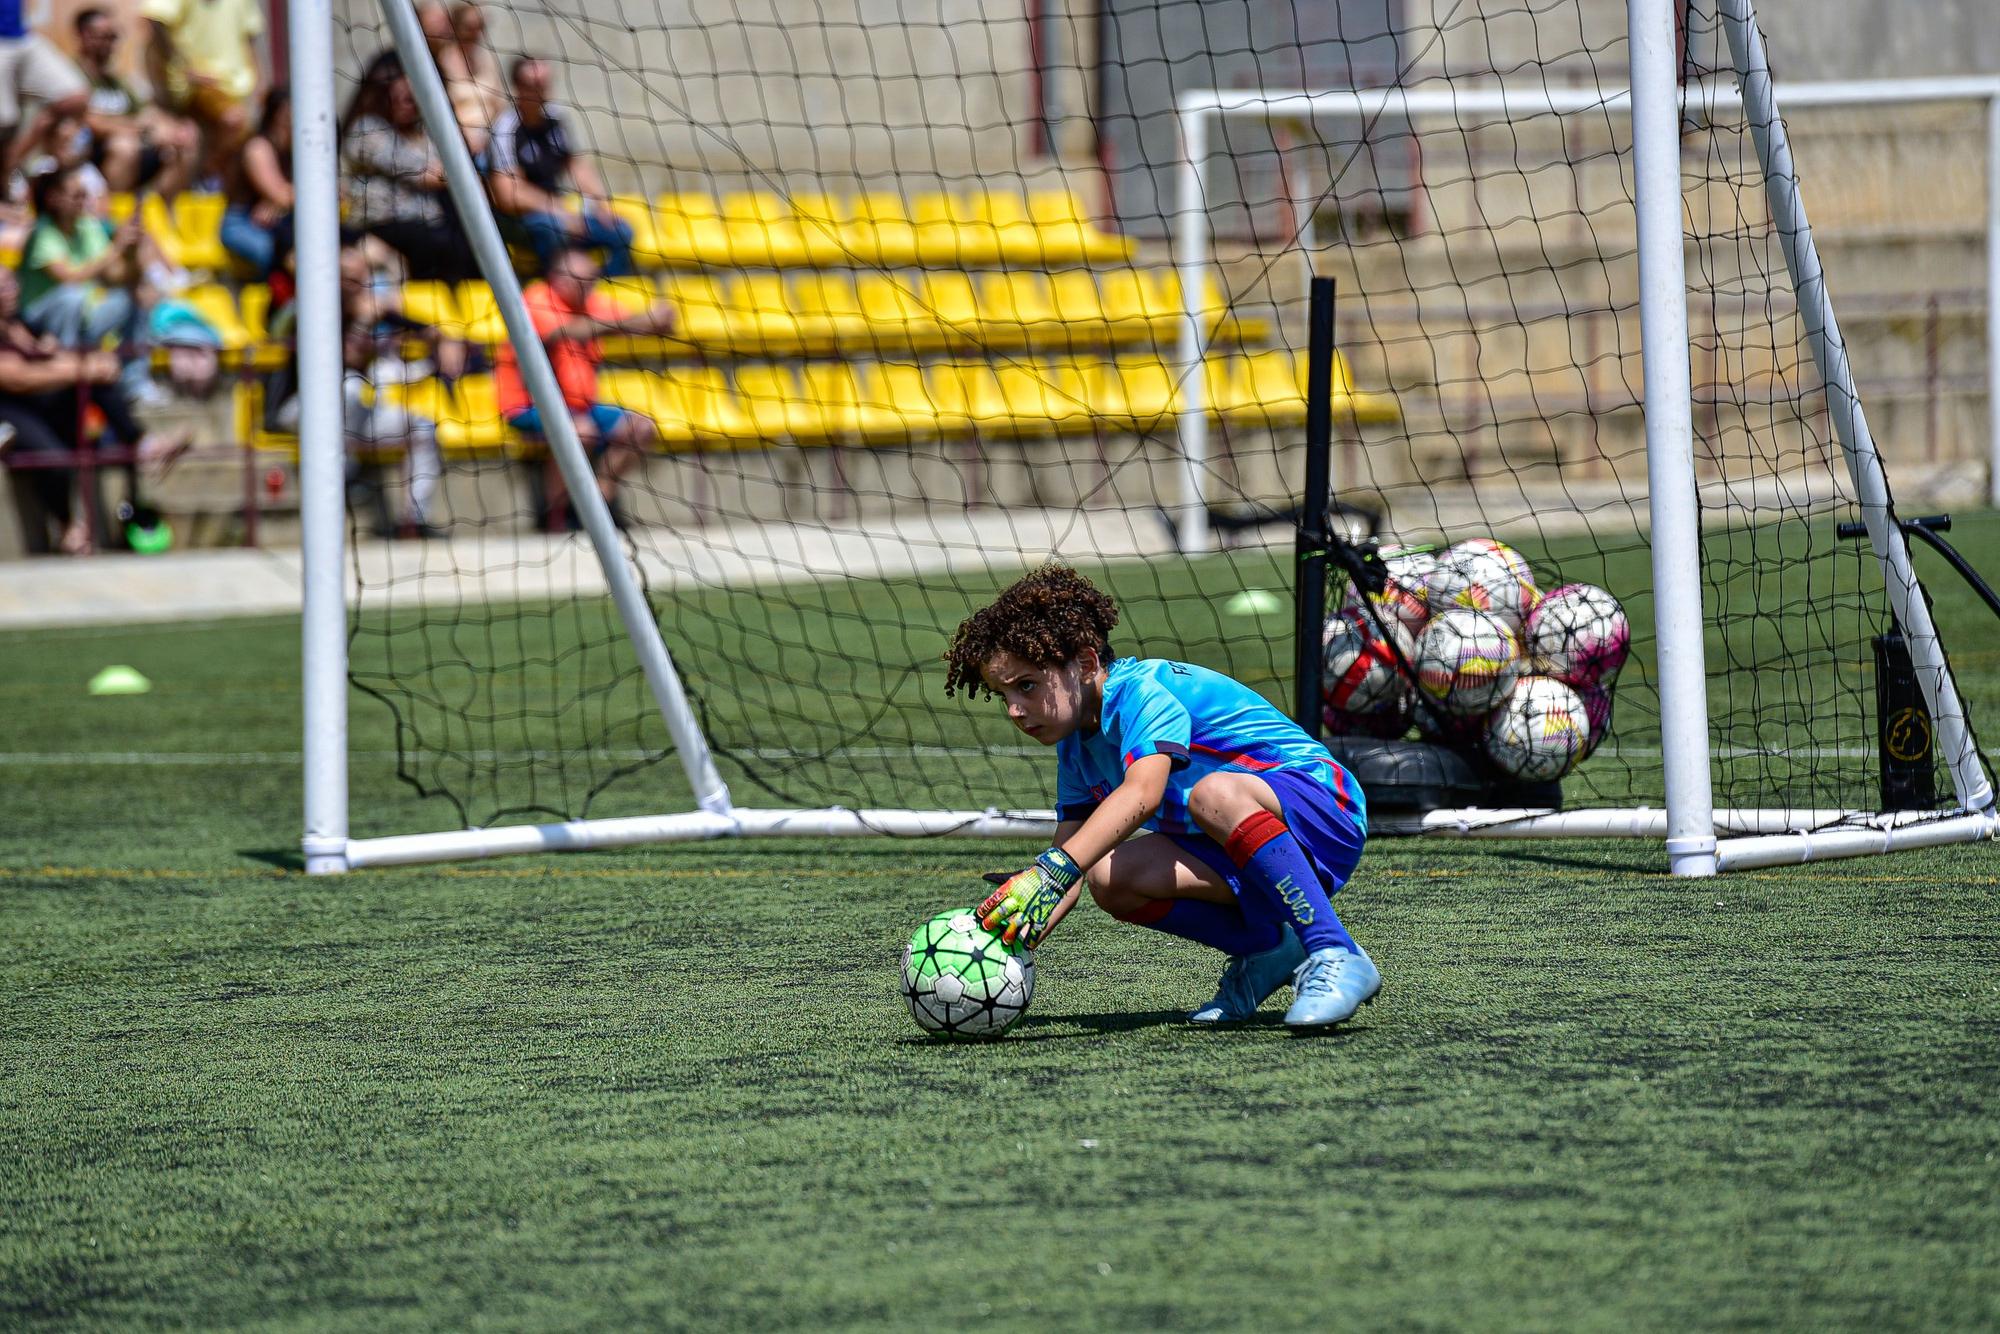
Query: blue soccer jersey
{"type": "Point", "coordinates": [1205, 722]}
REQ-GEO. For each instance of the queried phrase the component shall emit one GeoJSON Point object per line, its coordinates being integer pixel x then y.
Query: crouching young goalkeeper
{"type": "Point", "coordinates": [1255, 826]}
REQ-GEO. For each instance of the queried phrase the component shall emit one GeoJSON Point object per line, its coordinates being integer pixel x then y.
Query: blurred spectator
{"type": "Point", "coordinates": [31, 70]}
{"type": "Point", "coordinates": [395, 181]}
{"type": "Point", "coordinates": [199, 59]}
{"type": "Point", "coordinates": [376, 426]}
{"type": "Point", "coordinates": [131, 143]}
{"type": "Point", "coordinates": [43, 387]}
{"type": "Point", "coordinates": [457, 39]}
{"type": "Point", "coordinates": [534, 169]}
{"type": "Point", "coordinates": [257, 225]}
{"type": "Point", "coordinates": [80, 279]}
{"type": "Point", "coordinates": [569, 314]}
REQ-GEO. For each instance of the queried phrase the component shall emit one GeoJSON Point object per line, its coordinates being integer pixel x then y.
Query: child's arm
{"type": "Point", "coordinates": [1032, 902]}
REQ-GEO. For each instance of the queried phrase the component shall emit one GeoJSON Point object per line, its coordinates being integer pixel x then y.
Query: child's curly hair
{"type": "Point", "coordinates": [1047, 617]}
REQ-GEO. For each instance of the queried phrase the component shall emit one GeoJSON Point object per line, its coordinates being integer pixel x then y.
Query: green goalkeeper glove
{"type": "Point", "coordinates": [1020, 909]}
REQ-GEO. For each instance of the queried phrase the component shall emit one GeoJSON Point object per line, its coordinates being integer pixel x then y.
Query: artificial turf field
{"type": "Point", "coordinates": [676, 1087]}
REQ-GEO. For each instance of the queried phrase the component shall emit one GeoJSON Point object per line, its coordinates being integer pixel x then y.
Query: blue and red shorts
{"type": "Point", "coordinates": [1329, 824]}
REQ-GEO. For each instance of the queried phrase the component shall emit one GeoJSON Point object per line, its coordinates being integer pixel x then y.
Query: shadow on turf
{"type": "Point", "coordinates": [285, 859]}
{"type": "Point", "coordinates": [1058, 1027]}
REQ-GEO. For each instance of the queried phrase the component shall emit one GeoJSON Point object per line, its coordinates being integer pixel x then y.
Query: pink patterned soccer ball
{"type": "Point", "coordinates": [1579, 635]}
{"type": "Point", "coordinates": [1405, 596]}
{"type": "Point", "coordinates": [1481, 574]}
{"type": "Point", "coordinates": [1467, 660]}
{"type": "Point", "coordinates": [1540, 732]}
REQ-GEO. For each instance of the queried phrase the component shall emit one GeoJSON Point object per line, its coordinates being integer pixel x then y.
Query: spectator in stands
{"type": "Point", "coordinates": [39, 404]}
{"type": "Point", "coordinates": [199, 60]}
{"type": "Point", "coordinates": [376, 425]}
{"type": "Point", "coordinates": [131, 143]}
{"type": "Point", "coordinates": [31, 69]}
{"type": "Point", "coordinates": [79, 278]}
{"type": "Point", "coordinates": [395, 180]}
{"type": "Point", "coordinates": [569, 314]}
{"type": "Point", "coordinates": [257, 225]}
{"type": "Point", "coordinates": [534, 170]}
{"type": "Point", "coordinates": [457, 38]}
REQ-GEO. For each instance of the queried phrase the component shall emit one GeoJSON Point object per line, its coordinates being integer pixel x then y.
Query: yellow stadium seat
{"type": "Point", "coordinates": [1022, 302]}
{"type": "Point", "coordinates": [763, 317]}
{"type": "Point", "coordinates": [954, 303]}
{"type": "Point", "coordinates": [816, 244]}
{"type": "Point", "coordinates": [901, 390]}
{"type": "Point", "coordinates": [1137, 392]}
{"type": "Point", "coordinates": [253, 300]}
{"type": "Point", "coordinates": [950, 232]}
{"type": "Point", "coordinates": [847, 412]}
{"type": "Point", "coordinates": [215, 304]}
{"type": "Point", "coordinates": [897, 317]}
{"type": "Point", "coordinates": [481, 314]}
{"type": "Point", "coordinates": [1063, 223]}
{"type": "Point", "coordinates": [771, 398]}
{"type": "Point", "coordinates": [1075, 302]}
{"type": "Point", "coordinates": [190, 235]}
{"type": "Point", "coordinates": [1023, 240]}
{"type": "Point", "coordinates": [687, 229]}
{"type": "Point", "coordinates": [1045, 396]}
{"type": "Point", "coordinates": [951, 397]}
{"type": "Point", "coordinates": [637, 213]}
{"type": "Point", "coordinates": [468, 420]}
{"type": "Point", "coordinates": [834, 236]}
{"type": "Point", "coordinates": [881, 227]}
{"type": "Point", "coordinates": [761, 232]}
{"type": "Point", "coordinates": [702, 309]}
{"type": "Point", "coordinates": [668, 408]}
{"type": "Point", "coordinates": [710, 407]}
{"type": "Point", "coordinates": [623, 387]}
{"type": "Point", "coordinates": [829, 306]}
{"type": "Point", "coordinates": [434, 304]}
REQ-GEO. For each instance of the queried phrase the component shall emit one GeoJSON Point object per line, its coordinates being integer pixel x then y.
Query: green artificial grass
{"type": "Point", "coordinates": [677, 1087]}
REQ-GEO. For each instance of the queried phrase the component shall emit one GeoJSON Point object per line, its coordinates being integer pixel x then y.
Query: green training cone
{"type": "Point", "coordinates": [1254, 602]}
{"type": "Point", "coordinates": [119, 680]}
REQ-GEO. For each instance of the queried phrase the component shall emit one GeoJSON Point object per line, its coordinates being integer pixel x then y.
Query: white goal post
{"type": "Point", "coordinates": [1690, 822]}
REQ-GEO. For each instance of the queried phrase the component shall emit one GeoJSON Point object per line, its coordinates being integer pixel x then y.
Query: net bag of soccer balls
{"type": "Point", "coordinates": [962, 981]}
{"type": "Point", "coordinates": [1501, 667]}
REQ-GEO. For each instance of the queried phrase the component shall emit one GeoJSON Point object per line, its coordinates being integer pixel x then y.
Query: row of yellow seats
{"type": "Point", "coordinates": [760, 229]}
{"type": "Point", "coordinates": [763, 229]}
{"type": "Point", "coordinates": [817, 312]}
{"type": "Point", "coordinates": [886, 402]}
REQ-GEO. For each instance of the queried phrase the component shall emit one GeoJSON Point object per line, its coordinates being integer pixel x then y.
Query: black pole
{"type": "Point", "coordinates": [1312, 537]}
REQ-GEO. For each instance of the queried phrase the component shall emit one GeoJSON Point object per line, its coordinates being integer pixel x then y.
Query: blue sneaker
{"type": "Point", "coordinates": [1252, 979]}
{"type": "Point", "coordinates": [1330, 986]}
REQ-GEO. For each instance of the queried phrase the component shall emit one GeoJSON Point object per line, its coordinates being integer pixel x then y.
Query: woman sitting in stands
{"type": "Point", "coordinates": [39, 410]}
{"type": "Point", "coordinates": [80, 280]}
{"type": "Point", "coordinates": [257, 226]}
{"type": "Point", "coordinates": [395, 180]}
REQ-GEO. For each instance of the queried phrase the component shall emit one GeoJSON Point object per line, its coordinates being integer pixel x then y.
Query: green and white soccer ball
{"type": "Point", "coordinates": [963, 981]}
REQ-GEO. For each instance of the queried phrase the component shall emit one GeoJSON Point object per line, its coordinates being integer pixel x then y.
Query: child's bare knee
{"type": "Point", "coordinates": [1104, 889]}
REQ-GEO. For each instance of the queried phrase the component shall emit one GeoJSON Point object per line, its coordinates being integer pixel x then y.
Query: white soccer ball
{"type": "Point", "coordinates": [1405, 595]}
{"type": "Point", "coordinates": [1540, 732]}
{"type": "Point", "coordinates": [1579, 634]}
{"type": "Point", "coordinates": [1481, 574]}
{"type": "Point", "coordinates": [961, 980]}
{"type": "Point", "coordinates": [1467, 660]}
{"type": "Point", "coordinates": [1361, 674]}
